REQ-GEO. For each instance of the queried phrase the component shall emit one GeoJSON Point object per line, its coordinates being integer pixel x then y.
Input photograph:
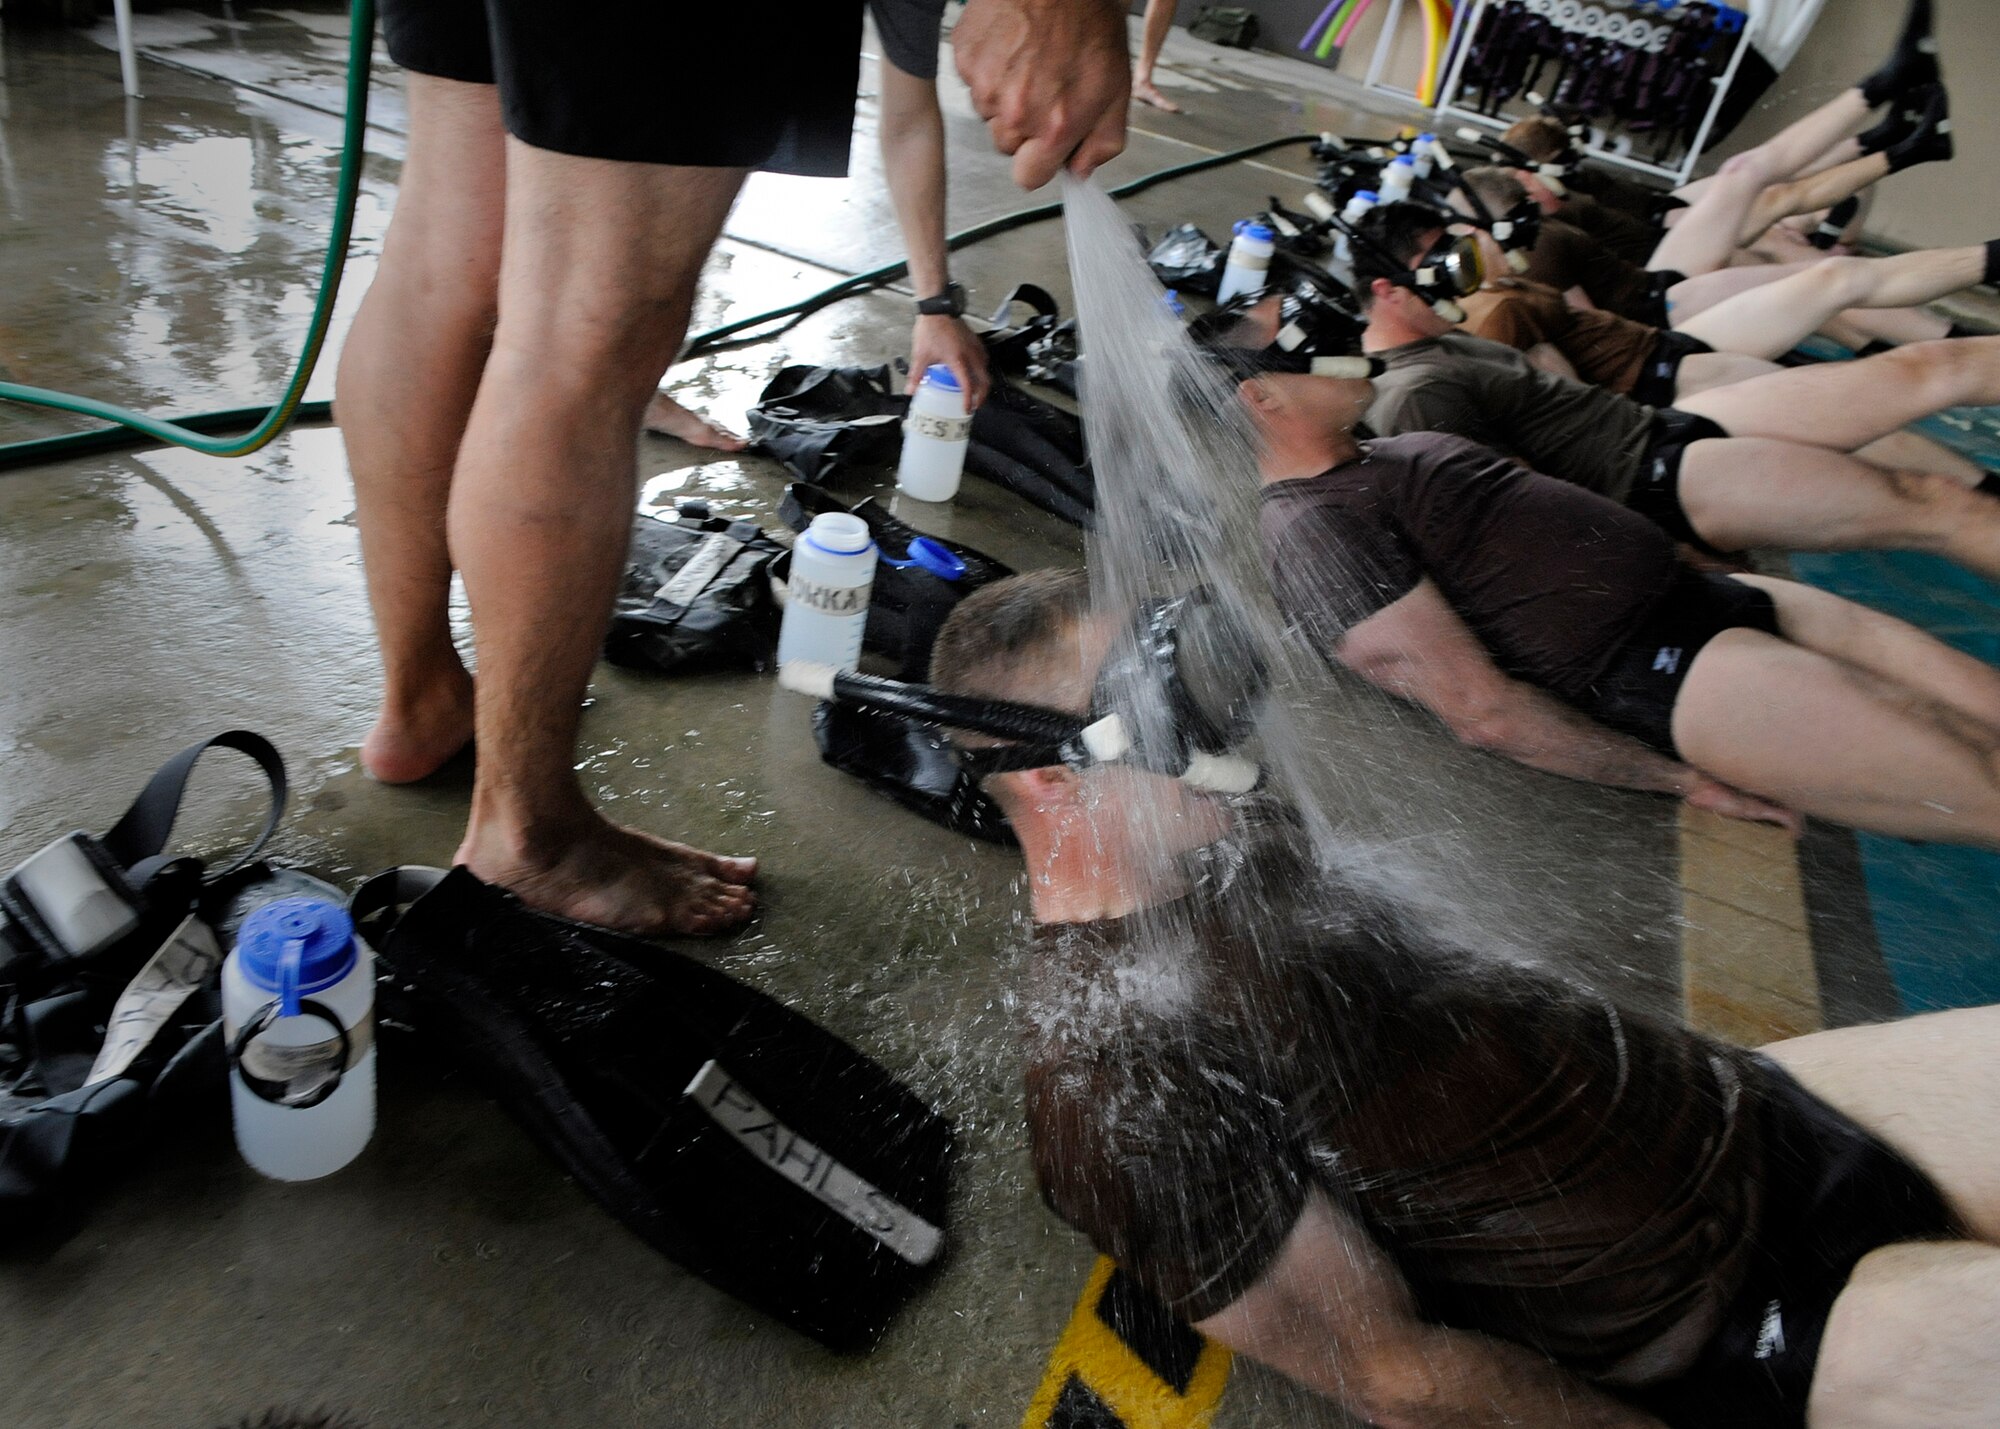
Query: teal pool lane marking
{"type": "Point", "coordinates": [1936, 907]}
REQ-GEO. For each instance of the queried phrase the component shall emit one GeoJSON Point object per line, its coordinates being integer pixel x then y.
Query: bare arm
{"type": "Point", "coordinates": [1419, 650]}
{"type": "Point", "coordinates": [1333, 1313]}
{"type": "Point", "coordinates": [1549, 358]}
{"type": "Point", "coordinates": [913, 161]}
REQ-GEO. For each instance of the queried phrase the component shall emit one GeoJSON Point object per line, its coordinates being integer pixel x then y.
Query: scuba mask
{"type": "Point", "coordinates": [1178, 691]}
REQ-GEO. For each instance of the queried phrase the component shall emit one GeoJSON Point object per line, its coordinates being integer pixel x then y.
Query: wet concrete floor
{"type": "Point", "coordinates": [164, 253]}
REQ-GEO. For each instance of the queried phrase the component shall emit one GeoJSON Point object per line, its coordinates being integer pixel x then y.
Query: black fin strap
{"type": "Point", "coordinates": [142, 833]}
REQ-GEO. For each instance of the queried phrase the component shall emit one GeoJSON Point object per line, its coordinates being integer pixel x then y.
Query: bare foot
{"type": "Point", "coordinates": [1146, 92]}
{"type": "Point", "coordinates": [667, 418]}
{"type": "Point", "coordinates": [621, 878]}
{"type": "Point", "coordinates": [413, 741]}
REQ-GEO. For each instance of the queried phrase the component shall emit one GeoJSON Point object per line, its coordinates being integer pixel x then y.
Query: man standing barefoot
{"type": "Point", "coordinates": [491, 393]}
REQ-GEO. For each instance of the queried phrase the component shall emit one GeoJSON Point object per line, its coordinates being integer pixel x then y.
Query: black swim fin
{"type": "Point", "coordinates": [733, 1135]}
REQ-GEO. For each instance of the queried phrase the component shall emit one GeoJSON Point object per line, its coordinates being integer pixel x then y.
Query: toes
{"type": "Point", "coordinates": [732, 870]}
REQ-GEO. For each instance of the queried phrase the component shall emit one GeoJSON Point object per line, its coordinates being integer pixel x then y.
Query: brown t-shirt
{"type": "Point", "coordinates": [1566, 257]}
{"type": "Point", "coordinates": [1539, 1164]}
{"type": "Point", "coordinates": [1605, 349]}
{"type": "Point", "coordinates": [1552, 579]}
{"type": "Point", "coordinates": [1629, 238]}
{"type": "Point", "coordinates": [1473, 388]}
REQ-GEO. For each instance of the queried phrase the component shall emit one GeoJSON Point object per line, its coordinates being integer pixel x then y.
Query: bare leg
{"type": "Point", "coordinates": [596, 283]}
{"type": "Point", "coordinates": [1153, 35]}
{"type": "Point", "coordinates": [1833, 741]}
{"type": "Point", "coordinates": [1746, 492]}
{"type": "Point", "coordinates": [1810, 195]}
{"type": "Point", "coordinates": [1897, 325]}
{"type": "Point", "coordinates": [1913, 1339]}
{"type": "Point", "coordinates": [1771, 318]}
{"type": "Point", "coordinates": [1703, 370]}
{"type": "Point", "coordinates": [1846, 405]}
{"type": "Point", "coordinates": [667, 418]}
{"type": "Point", "coordinates": [405, 388]}
{"type": "Point", "coordinates": [1709, 232]}
{"type": "Point", "coordinates": [1927, 1086]}
{"type": "Point", "coordinates": [1912, 451]}
{"type": "Point", "coordinates": [1703, 291]}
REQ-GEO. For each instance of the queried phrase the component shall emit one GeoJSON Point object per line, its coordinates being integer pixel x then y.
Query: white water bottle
{"type": "Point", "coordinates": [1249, 265]}
{"type": "Point", "coordinates": [1356, 210]}
{"type": "Point", "coordinates": [298, 1017]}
{"type": "Point", "coordinates": [935, 436]}
{"type": "Point", "coordinates": [1424, 152]}
{"type": "Point", "coordinates": [1398, 178]}
{"type": "Point", "coordinates": [826, 595]}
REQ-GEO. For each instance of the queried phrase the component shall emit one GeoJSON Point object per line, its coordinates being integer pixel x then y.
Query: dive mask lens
{"type": "Point", "coordinates": [1190, 673]}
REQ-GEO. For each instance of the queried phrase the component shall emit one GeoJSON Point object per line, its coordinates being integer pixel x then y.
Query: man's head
{"type": "Point", "coordinates": [1036, 639]}
{"type": "Point", "coordinates": [1542, 137]}
{"type": "Point", "coordinates": [1304, 423]}
{"type": "Point", "coordinates": [1392, 245]}
{"type": "Point", "coordinates": [1502, 189]}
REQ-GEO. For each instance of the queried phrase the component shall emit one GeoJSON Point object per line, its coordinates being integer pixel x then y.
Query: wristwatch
{"type": "Point", "coordinates": [948, 304]}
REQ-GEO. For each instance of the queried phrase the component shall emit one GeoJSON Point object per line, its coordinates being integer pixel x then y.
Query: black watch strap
{"type": "Point", "coordinates": [948, 304]}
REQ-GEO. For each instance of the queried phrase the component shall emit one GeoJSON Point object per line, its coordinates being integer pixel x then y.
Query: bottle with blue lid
{"type": "Point", "coordinates": [1249, 266]}
{"type": "Point", "coordinates": [935, 436]}
{"type": "Point", "coordinates": [298, 1018]}
{"type": "Point", "coordinates": [827, 591]}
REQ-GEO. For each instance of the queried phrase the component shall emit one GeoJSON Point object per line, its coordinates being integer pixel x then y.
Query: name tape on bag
{"type": "Point", "coordinates": [812, 1170]}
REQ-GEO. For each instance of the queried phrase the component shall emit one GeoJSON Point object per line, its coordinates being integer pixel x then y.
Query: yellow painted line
{"type": "Point", "coordinates": [1748, 974]}
{"type": "Point", "coordinates": [1091, 1364]}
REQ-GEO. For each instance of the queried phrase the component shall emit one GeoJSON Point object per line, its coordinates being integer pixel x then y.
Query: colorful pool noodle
{"type": "Point", "coordinates": [1329, 38]}
{"type": "Point", "coordinates": [1436, 25]}
{"type": "Point", "coordinates": [1325, 16]}
{"type": "Point", "coordinates": [1347, 30]}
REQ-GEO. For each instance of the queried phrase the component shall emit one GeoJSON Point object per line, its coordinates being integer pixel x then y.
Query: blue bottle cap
{"type": "Point", "coordinates": [933, 556]}
{"type": "Point", "coordinates": [938, 375]}
{"type": "Point", "coordinates": [1258, 232]}
{"type": "Point", "coordinates": [293, 947]}
{"type": "Point", "coordinates": [1368, 194]}
{"type": "Point", "coordinates": [1409, 159]}
{"type": "Point", "coordinates": [1427, 138]}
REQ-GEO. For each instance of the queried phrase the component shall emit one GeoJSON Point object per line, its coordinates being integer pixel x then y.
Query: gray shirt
{"type": "Point", "coordinates": [1493, 395]}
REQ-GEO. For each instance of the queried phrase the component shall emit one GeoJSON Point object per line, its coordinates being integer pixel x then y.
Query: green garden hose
{"type": "Point", "coordinates": [195, 433]}
{"type": "Point", "coordinates": [207, 432]}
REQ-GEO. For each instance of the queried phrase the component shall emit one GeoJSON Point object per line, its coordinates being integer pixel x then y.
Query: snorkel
{"type": "Point", "coordinates": [1177, 695]}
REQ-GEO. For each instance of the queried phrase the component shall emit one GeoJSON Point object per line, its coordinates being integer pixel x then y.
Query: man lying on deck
{"type": "Point", "coordinates": [1448, 1192]}
{"type": "Point", "coordinates": [1759, 463]}
{"type": "Point", "coordinates": [1549, 624]}
{"type": "Point", "coordinates": [1733, 340]}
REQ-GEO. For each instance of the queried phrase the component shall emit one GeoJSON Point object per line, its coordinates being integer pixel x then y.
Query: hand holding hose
{"type": "Point", "coordinates": [1051, 78]}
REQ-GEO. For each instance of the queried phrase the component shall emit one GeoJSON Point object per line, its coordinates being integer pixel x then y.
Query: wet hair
{"type": "Point", "coordinates": [1499, 190]}
{"type": "Point", "coordinates": [1542, 137]}
{"type": "Point", "coordinates": [990, 645]}
{"type": "Point", "coordinates": [1400, 231]}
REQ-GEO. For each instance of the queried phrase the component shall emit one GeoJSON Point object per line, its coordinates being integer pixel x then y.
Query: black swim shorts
{"type": "Point", "coordinates": [1637, 690]}
{"type": "Point", "coordinates": [1656, 494]}
{"type": "Point", "coordinates": [1653, 312]}
{"type": "Point", "coordinates": [1659, 380]}
{"type": "Point", "coordinates": [1833, 1194]}
{"type": "Point", "coordinates": [909, 32]}
{"type": "Point", "coordinates": [733, 85]}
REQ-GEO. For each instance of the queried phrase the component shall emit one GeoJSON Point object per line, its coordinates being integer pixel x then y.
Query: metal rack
{"type": "Point", "coordinates": [1472, 13]}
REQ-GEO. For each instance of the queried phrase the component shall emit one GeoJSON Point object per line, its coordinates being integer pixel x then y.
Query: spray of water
{"type": "Point", "coordinates": [1175, 458]}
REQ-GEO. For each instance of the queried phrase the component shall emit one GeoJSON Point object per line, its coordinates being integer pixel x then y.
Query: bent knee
{"type": "Point", "coordinates": [1847, 279]}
